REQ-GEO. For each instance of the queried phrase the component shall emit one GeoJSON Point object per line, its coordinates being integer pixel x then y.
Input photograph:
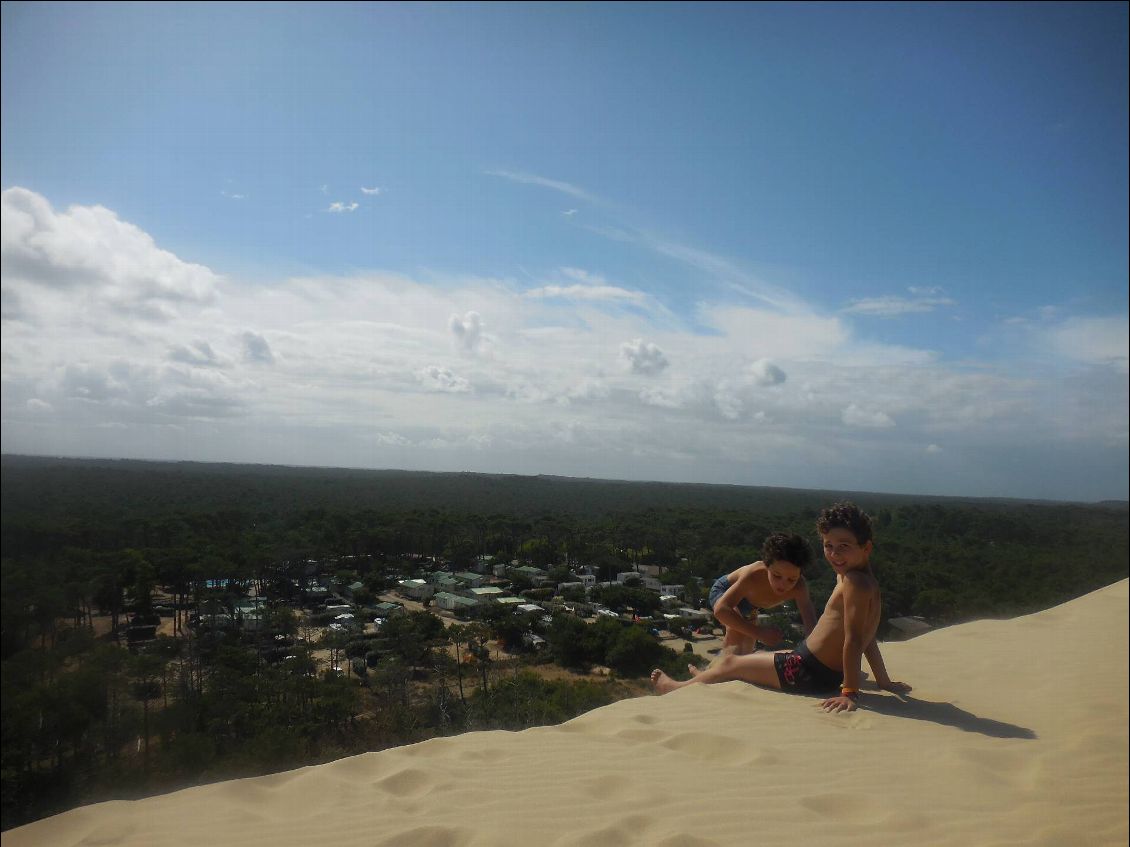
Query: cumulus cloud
{"type": "Point", "coordinates": [256, 348]}
{"type": "Point", "coordinates": [391, 439]}
{"type": "Point", "coordinates": [764, 372]}
{"type": "Point", "coordinates": [664, 398]}
{"type": "Point", "coordinates": [853, 415]}
{"type": "Point", "coordinates": [728, 404]}
{"type": "Point", "coordinates": [466, 331]}
{"type": "Point", "coordinates": [643, 357]}
{"type": "Point", "coordinates": [83, 381]}
{"type": "Point", "coordinates": [87, 251]}
{"type": "Point", "coordinates": [1100, 341]}
{"type": "Point", "coordinates": [586, 390]}
{"type": "Point", "coordinates": [338, 206]}
{"type": "Point", "coordinates": [364, 363]}
{"type": "Point", "coordinates": [437, 378]}
{"type": "Point", "coordinates": [198, 354]}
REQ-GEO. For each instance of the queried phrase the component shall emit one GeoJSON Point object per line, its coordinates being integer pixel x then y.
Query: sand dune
{"type": "Point", "coordinates": [1015, 734]}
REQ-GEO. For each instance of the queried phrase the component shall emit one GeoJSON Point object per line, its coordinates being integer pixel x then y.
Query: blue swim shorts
{"type": "Point", "coordinates": [747, 609]}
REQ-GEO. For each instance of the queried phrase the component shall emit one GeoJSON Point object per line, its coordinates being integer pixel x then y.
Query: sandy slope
{"type": "Point", "coordinates": [1016, 735]}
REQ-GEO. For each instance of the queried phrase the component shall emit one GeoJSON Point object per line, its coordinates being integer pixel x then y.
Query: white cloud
{"type": "Point", "coordinates": [90, 257]}
{"type": "Point", "coordinates": [764, 372]}
{"type": "Point", "coordinates": [467, 331]}
{"type": "Point", "coordinates": [595, 293]}
{"type": "Point", "coordinates": [372, 192]}
{"type": "Point", "coordinates": [728, 404]}
{"type": "Point", "coordinates": [437, 378]}
{"type": "Point", "coordinates": [926, 300]}
{"type": "Point", "coordinates": [198, 353]}
{"type": "Point", "coordinates": [534, 179]}
{"type": "Point", "coordinates": [256, 348]}
{"type": "Point", "coordinates": [664, 398]}
{"type": "Point", "coordinates": [391, 439]}
{"type": "Point", "coordinates": [362, 369]}
{"type": "Point", "coordinates": [853, 415]}
{"type": "Point", "coordinates": [338, 206]}
{"type": "Point", "coordinates": [643, 357]}
{"type": "Point", "coordinates": [1100, 341]}
{"type": "Point", "coordinates": [933, 448]}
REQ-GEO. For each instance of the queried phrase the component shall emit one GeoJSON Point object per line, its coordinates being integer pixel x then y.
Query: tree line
{"type": "Point", "coordinates": [84, 718]}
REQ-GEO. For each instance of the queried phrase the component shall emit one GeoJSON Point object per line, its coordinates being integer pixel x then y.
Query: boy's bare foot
{"type": "Point", "coordinates": [694, 671]}
{"type": "Point", "coordinates": [662, 682]}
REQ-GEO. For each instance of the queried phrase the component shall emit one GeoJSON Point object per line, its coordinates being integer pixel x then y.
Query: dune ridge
{"type": "Point", "coordinates": [1015, 734]}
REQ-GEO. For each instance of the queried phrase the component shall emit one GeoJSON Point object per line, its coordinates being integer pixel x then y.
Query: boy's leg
{"type": "Point", "coordinates": [737, 643]}
{"type": "Point", "coordinates": [758, 668]}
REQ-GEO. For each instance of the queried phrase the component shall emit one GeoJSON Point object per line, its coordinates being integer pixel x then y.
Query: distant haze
{"type": "Point", "coordinates": [839, 247]}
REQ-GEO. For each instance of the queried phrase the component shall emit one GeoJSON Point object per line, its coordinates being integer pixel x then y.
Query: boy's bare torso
{"type": "Point", "coordinates": [827, 639]}
{"type": "Point", "coordinates": [756, 586]}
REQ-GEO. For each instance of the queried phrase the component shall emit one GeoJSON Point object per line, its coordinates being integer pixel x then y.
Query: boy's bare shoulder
{"type": "Point", "coordinates": [750, 569]}
{"type": "Point", "coordinates": [861, 581]}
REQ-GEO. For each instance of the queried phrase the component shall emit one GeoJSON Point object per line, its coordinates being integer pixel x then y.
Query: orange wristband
{"type": "Point", "coordinates": [849, 692]}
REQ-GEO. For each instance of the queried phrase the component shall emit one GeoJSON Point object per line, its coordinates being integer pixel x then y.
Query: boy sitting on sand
{"type": "Point", "coordinates": [736, 598]}
{"type": "Point", "coordinates": [830, 656]}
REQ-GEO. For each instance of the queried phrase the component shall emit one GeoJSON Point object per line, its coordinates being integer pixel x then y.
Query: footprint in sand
{"type": "Point", "coordinates": [682, 839]}
{"type": "Point", "coordinates": [428, 836]}
{"type": "Point", "coordinates": [407, 783]}
{"type": "Point", "coordinates": [703, 745]}
{"type": "Point", "coordinates": [624, 831]}
{"type": "Point", "coordinates": [855, 808]}
{"type": "Point", "coordinates": [106, 834]}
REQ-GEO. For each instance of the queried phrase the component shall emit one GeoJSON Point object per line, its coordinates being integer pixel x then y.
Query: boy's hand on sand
{"type": "Point", "coordinates": [838, 704]}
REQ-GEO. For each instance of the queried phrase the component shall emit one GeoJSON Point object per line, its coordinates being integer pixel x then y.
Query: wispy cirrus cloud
{"type": "Point", "coordinates": [372, 192]}
{"type": "Point", "coordinates": [596, 293]}
{"type": "Point", "coordinates": [921, 300]}
{"type": "Point", "coordinates": [339, 206]}
{"type": "Point", "coordinates": [544, 182]}
{"type": "Point", "coordinates": [724, 271]}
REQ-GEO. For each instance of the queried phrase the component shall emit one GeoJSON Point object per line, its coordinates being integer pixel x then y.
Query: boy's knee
{"type": "Point", "coordinates": [726, 662]}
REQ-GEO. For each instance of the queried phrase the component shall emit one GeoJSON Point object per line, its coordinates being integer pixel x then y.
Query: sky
{"type": "Point", "coordinates": [838, 246]}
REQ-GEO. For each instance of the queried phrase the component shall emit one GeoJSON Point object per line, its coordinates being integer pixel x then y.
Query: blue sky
{"type": "Point", "coordinates": [878, 247]}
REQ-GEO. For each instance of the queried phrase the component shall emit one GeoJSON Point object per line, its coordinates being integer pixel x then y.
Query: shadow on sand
{"type": "Point", "coordinates": [947, 714]}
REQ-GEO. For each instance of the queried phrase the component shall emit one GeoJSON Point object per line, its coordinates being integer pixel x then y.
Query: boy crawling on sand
{"type": "Point", "coordinates": [830, 657]}
{"type": "Point", "coordinates": [736, 598]}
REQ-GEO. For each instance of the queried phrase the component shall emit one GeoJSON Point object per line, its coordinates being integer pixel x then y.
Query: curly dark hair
{"type": "Point", "coordinates": [846, 515]}
{"type": "Point", "coordinates": [779, 547]}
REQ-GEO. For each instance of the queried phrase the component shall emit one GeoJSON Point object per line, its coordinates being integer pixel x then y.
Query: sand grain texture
{"type": "Point", "coordinates": [1015, 734]}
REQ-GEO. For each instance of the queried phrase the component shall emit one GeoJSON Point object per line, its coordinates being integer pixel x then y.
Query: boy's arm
{"type": "Point", "coordinates": [807, 611]}
{"type": "Point", "coordinates": [879, 668]}
{"type": "Point", "coordinates": [857, 597]}
{"type": "Point", "coordinates": [727, 612]}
